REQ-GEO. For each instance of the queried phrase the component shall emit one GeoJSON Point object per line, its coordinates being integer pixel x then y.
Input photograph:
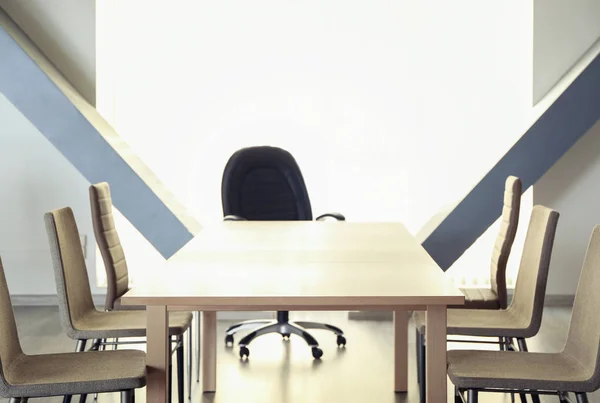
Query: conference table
{"type": "Point", "coordinates": [297, 266]}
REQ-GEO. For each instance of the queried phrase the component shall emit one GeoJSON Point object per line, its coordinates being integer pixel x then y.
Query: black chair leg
{"type": "Point", "coordinates": [170, 383]}
{"type": "Point", "coordinates": [581, 397]}
{"type": "Point", "coordinates": [457, 395]}
{"type": "Point", "coordinates": [180, 376]}
{"type": "Point", "coordinates": [82, 398]}
{"type": "Point", "coordinates": [422, 368]}
{"type": "Point", "coordinates": [417, 353]}
{"type": "Point", "coordinates": [522, 344]}
{"type": "Point", "coordinates": [127, 396]}
{"type": "Point", "coordinates": [472, 396]}
{"type": "Point", "coordinates": [563, 397]}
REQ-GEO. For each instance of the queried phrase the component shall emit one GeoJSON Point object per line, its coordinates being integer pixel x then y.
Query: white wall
{"type": "Point", "coordinates": [393, 109]}
{"type": "Point", "coordinates": [35, 179]}
{"type": "Point", "coordinates": [563, 31]}
{"type": "Point", "coordinates": [65, 31]}
{"type": "Point", "coordinates": [571, 187]}
{"type": "Point", "coordinates": [373, 98]}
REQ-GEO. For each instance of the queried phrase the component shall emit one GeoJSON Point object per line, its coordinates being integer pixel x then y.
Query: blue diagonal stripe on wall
{"type": "Point", "coordinates": [38, 98]}
{"type": "Point", "coordinates": [575, 111]}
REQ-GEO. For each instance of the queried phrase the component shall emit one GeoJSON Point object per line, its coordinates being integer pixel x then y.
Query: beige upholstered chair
{"type": "Point", "coordinates": [23, 376]}
{"type": "Point", "coordinates": [576, 369]}
{"type": "Point", "coordinates": [115, 264]}
{"type": "Point", "coordinates": [495, 297]}
{"type": "Point", "coordinates": [522, 319]}
{"type": "Point", "coordinates": [80, 318]}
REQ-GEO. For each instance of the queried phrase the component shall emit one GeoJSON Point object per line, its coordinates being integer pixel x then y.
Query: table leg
{"type": "Point", "coordinates": [157, 356]}
{"type": "Point", "coordinates": [400, 351]}
{"type": "Point", "coordinates": [436, 354]}
{"type": "Point", "coordinates": [209, 351]}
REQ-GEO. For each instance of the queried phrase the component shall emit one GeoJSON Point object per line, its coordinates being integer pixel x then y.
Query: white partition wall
{"type": "Point", "coordinates": [393, 109]}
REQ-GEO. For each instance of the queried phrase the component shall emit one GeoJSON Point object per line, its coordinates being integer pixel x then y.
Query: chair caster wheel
{"type": "Point", "coordinates": [341, 341]}
{"type": "Point", "coordinates": [244, 352]}
{"type": "Point", "coordinates": [317, 353]}
{"type": "Point", "coordinates": [286, 336]}
{"type": "Point", "coordinates": [229, 339]}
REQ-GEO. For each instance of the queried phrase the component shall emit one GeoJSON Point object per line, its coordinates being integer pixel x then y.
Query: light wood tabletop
{"type": "Point", "coordinates": [298, 265]}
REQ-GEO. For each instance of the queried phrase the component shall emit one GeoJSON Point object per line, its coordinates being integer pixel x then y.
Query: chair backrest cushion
{"type": "Point", "coordinates": [530, 289]}
{"type": "Point", "coordinates": [117, 275]}
{"type": "Point", "coordinates": [264, 183]}
{"type": "Point", "coordinates": [583, 339]}
{"type": "Point", "coordinates": [70, 272]}
{"type": "Point", "coordinates": [10, 348]}
{"type": "Point", "coordinates": [509, 221]}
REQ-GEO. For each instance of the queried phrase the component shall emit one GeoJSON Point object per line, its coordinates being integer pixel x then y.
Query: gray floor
{"type": "Point", "coordinates": [282, 372]}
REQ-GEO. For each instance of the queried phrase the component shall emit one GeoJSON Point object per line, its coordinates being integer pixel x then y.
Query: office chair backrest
{"type": "Point", "coordinates": [117, 275]}
{"type": "Point", "coordinates": [264, 183]}
{"type": "Point", "coordinates": [509, 221]}
{"type": "Point", "coordinates": [530, 288]}
{"type": "Point", "coordinates": [10, 348]}
{"type": "Point", "coordinates": [70, 272]}
{"type": "Point", "coordinates": [583, 339]}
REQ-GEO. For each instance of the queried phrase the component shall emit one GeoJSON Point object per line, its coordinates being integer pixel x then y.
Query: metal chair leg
{"type": "Point", "coordinates": [522, 344]}
{"type": "Point", "coordinates": [322, 326]}
{"type": "Point", "coordinates": [563, 397]}
{"type": "Point", "coordinates": [127, 396]}
{"type": "Point", "coordinates": [417, 353]}
{"type": "Point", "coordinates": [82, 398]}
{"type": "Point", "coordinates": [198, 333]}
{"type": "Point", "coordinates": [269, 328]}
{"type": "Point", "coordinates": [180, 366]}
{"type": "Point", "coordinates": [422, 368]}
{"type": "Point", "coordinates": [457, 395]}
{"type": "Point", "coordinates": [14, 400]}
{"type": "Point", "coordinates": [190, 356]}
{"type": "Point", "coordinates": [472, 396]}
{"type": "Point", "coordinates": [581, 397]}
{"type": "Point", "coordinates": [170, 377]}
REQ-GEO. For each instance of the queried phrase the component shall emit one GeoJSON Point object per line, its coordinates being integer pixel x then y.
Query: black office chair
{"type": "Point", "coordinates": [265, 183]}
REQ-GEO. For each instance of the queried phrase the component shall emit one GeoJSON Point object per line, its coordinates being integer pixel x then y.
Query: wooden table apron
{"type": "Point", "coordinates": [327, 266]}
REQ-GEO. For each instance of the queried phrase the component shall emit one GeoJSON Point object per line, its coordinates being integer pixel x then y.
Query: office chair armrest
{"type": "Point", "coordinates": [233, 218]}
{"type": "Point", "coordinates": [337, 216]}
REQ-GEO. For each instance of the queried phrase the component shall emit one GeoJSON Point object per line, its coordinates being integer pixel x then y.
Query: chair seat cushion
{"type": "Point", "coordinates": [98, 325]}
{"type": "Point", "coordinates": [76, 373]}
{"type": "Point", "coordinates": [516, 370]}
{"type": "Point", "coordinates": [481, 322]}
{"type": "Point", "coordinates": [479, 298]}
